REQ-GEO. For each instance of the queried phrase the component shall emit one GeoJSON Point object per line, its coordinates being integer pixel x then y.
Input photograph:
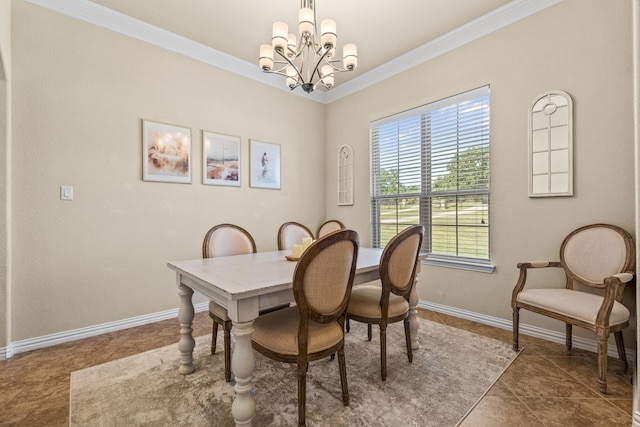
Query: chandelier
{"type": "Point", "coordinates": [311, 62]}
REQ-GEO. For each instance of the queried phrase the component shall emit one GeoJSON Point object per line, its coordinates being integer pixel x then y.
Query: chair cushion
{"type": "Point", "coordinates": [365, 302]}
{"type": "Point", "coordinates": [218, 310]}
{"type": "Point", "coordinates": [575, 304]}
{"type": "Point", "coordinates": [278, 332]}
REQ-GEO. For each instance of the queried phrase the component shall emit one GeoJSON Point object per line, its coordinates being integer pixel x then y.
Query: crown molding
{"type": "Point", "coordinates": [104, 17]}
{"type": "Point", "coordinates": [486, 24]}
{"type": "Point", "coordinates": [110, 19]}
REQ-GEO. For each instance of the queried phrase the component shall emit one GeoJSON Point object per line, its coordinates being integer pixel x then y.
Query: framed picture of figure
{"type": "Point", "coordinates": [264, 165]}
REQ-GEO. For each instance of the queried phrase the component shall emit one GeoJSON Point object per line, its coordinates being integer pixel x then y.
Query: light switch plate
{"type": "Point", "coordinates": [66, 192]}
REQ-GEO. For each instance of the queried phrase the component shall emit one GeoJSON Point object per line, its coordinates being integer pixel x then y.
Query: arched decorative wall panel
{"type": "Point", "coordinates": [345, 175]}
{"type": "Point", "coordinates": [551, 145]}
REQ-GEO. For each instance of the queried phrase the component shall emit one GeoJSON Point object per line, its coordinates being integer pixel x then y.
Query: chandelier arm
{"type": "Point", "coordinates": [320, 82]}
{"type": "Point", "coordinates": [315, 70]}
{"type": "Point", "coordinates": [289, 62]}
{"type": "Point", "coordinates": [280, 73]}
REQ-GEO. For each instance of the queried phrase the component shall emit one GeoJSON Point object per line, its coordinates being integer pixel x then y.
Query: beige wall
{"type": "Point", "coordinates": [5, 168]}
{"type": "Point", "coordinates": [80, 93]}
{"type": "Point", "coordinates": [580, 46]}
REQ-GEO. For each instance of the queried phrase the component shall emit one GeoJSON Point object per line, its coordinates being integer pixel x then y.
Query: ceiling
{"type": "Point", "coordinates": [382, 30]}
{"type": "Point", "coordinates": [391, 36]}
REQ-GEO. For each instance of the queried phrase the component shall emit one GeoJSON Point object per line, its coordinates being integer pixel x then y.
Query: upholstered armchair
{"type": "Point", "coordinates": [597, 256]}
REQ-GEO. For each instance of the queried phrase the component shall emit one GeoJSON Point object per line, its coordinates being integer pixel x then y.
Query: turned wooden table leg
{"type": "Point", "coordinates": [243, 365]}
{"type": "Point", "coordinates": [186, 343]}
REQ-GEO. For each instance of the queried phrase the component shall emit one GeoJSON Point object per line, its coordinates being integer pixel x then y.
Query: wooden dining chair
{"type": "Point", "coordinates": [597, 256]}
{"type": "Point", "coordinates": [314, 327]}
{"type": "Point", "coordinates": [389, 302]}
{"type": "Point", "coordinates": [225, 240]}
{"type": "Point", "coordinates": [291, 233]}
{"type": "Point", "coordinates": [329, 226]}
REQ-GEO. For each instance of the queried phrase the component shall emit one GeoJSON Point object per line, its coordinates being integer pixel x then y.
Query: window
{"type": "Point", "coordinates": [430, 166]}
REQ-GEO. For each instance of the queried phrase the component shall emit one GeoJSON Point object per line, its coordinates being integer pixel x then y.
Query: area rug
{"type": "Point", "coordinates": [450, 372]}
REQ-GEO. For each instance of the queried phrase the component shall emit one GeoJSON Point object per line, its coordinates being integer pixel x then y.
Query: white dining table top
{"type": "Point", "coordinates": [244, 276]}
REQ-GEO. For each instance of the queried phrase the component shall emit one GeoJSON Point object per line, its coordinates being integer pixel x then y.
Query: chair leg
{"type": "Point", "coordinates": [227, 350]}
{"type": "Point", "coordinates": [383, 352]}
{"type": "Point", "coordinates": [602, 362]}
{"type": "Point", "coordinates": [347, 325]}
{"type": "Point", "coordinates": [369, 332]}
{"type": "Point", "coordinates": [516, 324]}
{"type": "Point", "coordinates": [343, 376]}
{"type": "Point", "coordinates": [302, 393]}
{"type": "Point", "coordinates": [569, 329]}
{"type": "Point", "coordinates": [214, 337]}
{"type": "Point", "coordinates": [407, 336]}
{"type": "Point", "coordinates": [621, 351]}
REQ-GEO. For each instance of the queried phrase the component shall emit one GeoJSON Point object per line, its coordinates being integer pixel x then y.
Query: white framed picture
{"type": "Point", "coordinates": [166, 152]}
{"type": "Point", "coordinates": [264, 165]}
{"type": "Point", "coordinates": [220, 159]}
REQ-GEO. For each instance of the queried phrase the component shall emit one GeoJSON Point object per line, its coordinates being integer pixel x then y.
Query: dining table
{"type": "Point", "coordinates": [245, 285]}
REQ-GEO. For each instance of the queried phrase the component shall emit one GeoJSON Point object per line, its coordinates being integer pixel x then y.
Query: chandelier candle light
{"type": "Point", "coordinates": [311, 62]}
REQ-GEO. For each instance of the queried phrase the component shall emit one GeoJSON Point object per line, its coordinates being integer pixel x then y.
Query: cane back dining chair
{"type": "Point", "coordinates": [599, 256]}
{"type": "Point", "coordinates": [291, 233]}
{"type": "Point", "coordinates": [389, 303]}
{"type": "Point", "coordinates": [329, 226]}
{"type": "Point", "coordinates": [225, 240]}
{"type": "Point", "coordinates": [314, 327]}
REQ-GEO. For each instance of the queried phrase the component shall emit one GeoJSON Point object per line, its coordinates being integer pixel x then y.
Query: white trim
{"type": "Point", "coordinates": [76, 334]}
{"type": "Point", "coordinates": [99, 15]}
{"type": "Point", "coordinates": [432, 106]}
{"type": "Point", "coordinates": [480, 27]}
{"type": "Point", "coordinates": [6, 352]}
{"type": "Point", "coordinates": [534, 331]}
{"type": "Point", "coordinates": [91, 331]}
{"type": "Point", "coordinates": [636, 138]}
{"type": "Point", "coordinates": [460, 265]}
{"type": "Point", "coordinates": [110, 19]}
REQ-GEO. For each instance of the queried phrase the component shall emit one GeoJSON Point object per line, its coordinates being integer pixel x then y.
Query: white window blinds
{"type": "Point", "coordinates": [430, 166]}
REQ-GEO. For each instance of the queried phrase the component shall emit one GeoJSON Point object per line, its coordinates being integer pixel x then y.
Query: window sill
{"type": "Point", "coordinates": [480, 267]}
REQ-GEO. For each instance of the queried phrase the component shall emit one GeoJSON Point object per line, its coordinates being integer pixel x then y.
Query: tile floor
{"type": "Point", "coordinates": [545, 386]}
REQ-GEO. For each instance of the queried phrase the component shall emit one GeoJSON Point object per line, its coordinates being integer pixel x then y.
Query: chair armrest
{"type": "Point", "coordinates": [522, 279]}
{"type": "Point", "coordinates": [624, 277]}
{"type": "Point", "coordinates": [615, 284]}
{"type": "Point", "coordinates": [614, 287]}
{"type": "Point", "coordinates": [538, 264]}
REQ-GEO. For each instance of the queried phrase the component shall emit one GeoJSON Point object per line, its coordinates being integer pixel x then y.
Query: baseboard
{"type": "Point", "coordinates": [76, 334]}
{"type": "Point", "coordinates": [534, 331]}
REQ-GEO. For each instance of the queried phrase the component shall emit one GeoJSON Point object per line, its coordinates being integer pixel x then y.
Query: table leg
{"type": "Point", "coordinates": [243, 364]}
{"type": "Point", "coordinates": [413, 311]}
{"type": "Point", "coordinates": [186, 343]}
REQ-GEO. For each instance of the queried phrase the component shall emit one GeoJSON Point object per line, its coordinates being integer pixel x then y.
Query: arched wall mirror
{"type": "Point", "coordinates": [551, 145]}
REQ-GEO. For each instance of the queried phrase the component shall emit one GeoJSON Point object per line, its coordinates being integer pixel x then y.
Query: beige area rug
{"type": "Point", "coordinates": [450, 372]}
